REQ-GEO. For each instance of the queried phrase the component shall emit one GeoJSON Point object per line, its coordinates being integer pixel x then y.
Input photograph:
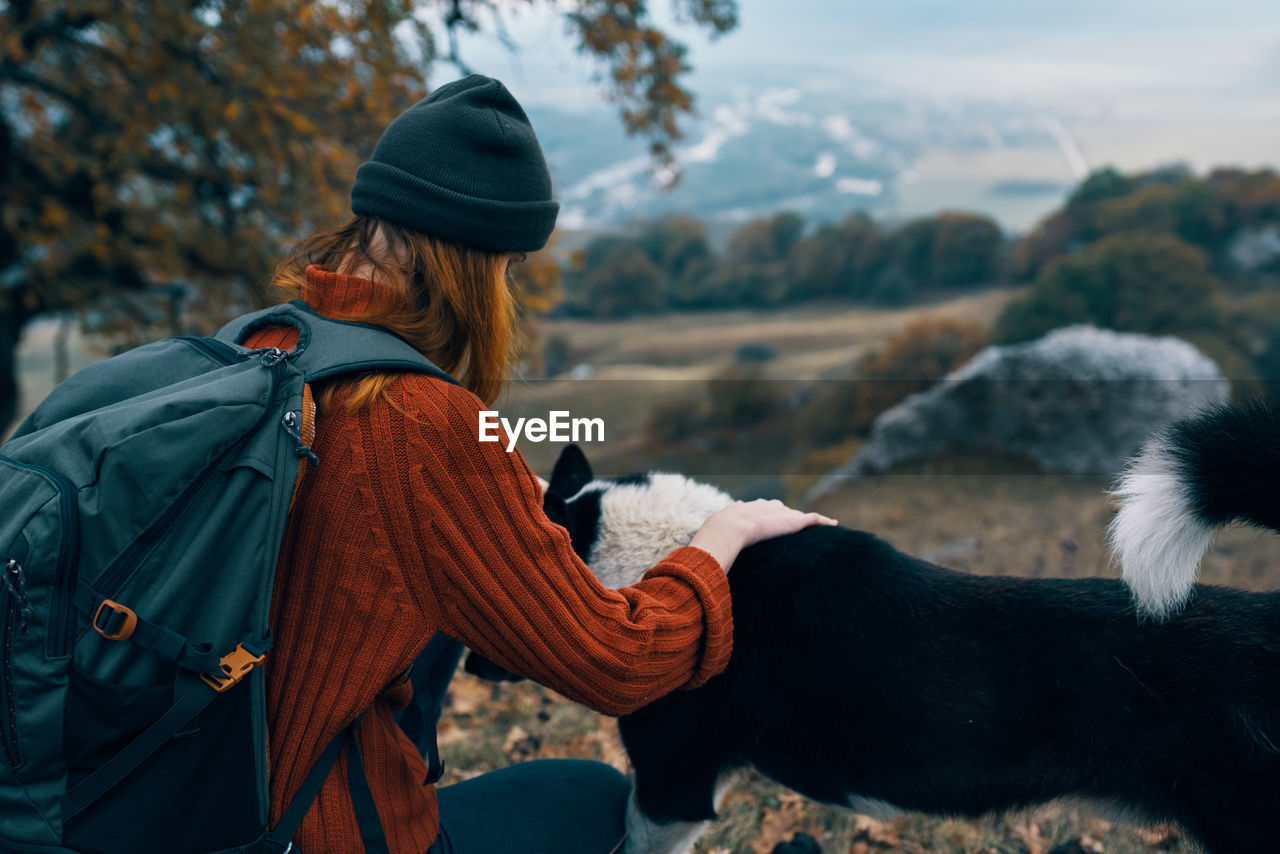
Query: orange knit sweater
{"type": "Point", "coordinates": [411, 526]}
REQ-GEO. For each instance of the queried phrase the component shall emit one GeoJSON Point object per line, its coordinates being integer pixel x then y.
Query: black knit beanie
{"type": "Point", "coordinates": [463, 165]}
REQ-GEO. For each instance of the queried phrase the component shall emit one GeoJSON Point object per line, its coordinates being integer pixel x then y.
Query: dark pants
{"type": "Point", "coordinates": [546, 806]}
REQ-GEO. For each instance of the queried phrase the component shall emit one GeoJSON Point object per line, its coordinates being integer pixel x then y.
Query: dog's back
{"type": "Point", "coordinates": [864, 677]}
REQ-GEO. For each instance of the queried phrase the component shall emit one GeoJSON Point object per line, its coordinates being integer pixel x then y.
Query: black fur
{"type": "Point", "coordinates": [571, 472]}
{"type": "Point", "coordinates": [1229, 459]}
{"type": "Point", "coordinates": [477, 665]}
{"type": "Point", "coordinates": [858, 670]}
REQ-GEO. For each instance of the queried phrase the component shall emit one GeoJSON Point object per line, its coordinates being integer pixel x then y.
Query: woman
{"type": "Point", "coordinates": [412, 526]}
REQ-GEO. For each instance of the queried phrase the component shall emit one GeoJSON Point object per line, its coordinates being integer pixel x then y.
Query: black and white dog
{"type": "Point", "coordinates": [866, 678]}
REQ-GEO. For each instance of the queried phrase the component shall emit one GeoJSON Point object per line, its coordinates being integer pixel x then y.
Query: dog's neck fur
{"type": "Point", "coordinates": [641, 523]}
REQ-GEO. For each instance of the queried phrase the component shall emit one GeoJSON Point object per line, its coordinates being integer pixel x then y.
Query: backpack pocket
{"type": "Point", "coordinates": [49, 524]}
{"type": "Point", "coordinates": [208, 763]}
{"type": "Point", "coordinates": [39, 546]}
{"type": "Point", "coordinates": [103, 717]}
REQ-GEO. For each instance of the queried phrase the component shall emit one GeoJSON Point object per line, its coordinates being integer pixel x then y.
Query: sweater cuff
{"type": "Point", "coordinates": [710, 584]}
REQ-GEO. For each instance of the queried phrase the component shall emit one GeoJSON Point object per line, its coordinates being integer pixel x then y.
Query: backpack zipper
{"type": "Point", "coordinates": [8, 701]}
{"type": "Point", "coordinates": [213, 348]}
{"type": "Point", "coordinates": [61, 626]}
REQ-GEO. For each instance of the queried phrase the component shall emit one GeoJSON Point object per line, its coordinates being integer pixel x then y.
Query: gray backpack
{"type": "Point", "coordinates": [144, 506]}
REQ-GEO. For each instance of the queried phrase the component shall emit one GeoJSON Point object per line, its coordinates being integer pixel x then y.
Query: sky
{"type": "Point", "coordinates": [1146, 81]}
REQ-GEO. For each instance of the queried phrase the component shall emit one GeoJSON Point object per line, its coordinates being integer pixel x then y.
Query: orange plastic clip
{"type": "Point", "coordinates": [235, 665]}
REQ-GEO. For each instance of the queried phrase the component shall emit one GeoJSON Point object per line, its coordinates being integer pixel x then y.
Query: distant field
{"type": "Point", "coordinates": [637, 364]}
{"type": "Point", "coordinates": [807, 337]}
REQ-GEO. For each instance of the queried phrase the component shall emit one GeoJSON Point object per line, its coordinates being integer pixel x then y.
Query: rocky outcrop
{"type": "Point", "coordinates": [1081, 400]}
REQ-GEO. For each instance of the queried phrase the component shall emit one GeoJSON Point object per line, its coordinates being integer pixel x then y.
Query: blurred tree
{"type": "Point", "coordinates": [838, 260]}
{"type": "Point", "coordinates": [1050, 238]}
{"type": "Point", "coordinates": [950, 250]}
{"type": "Point", "coordinates": [766, 240]}
{"type": "Point", "coordinates": [704, 283]}
{"type": "Point", "coordinates": [678, 246]}
{"type": "Point", "coordinates": [965, 251]}
{"type": "Point", "coordinates": [1149, 208]}
{"type": "Point", "coordinates": [1100, 185]}
{"type": "Point", "coordinates": [819, 264]}
{"type": "Point", "coordinates": [1201, 216]}
{"type": "Point", "coordinates": [910, 250]}
{"type": "Point", "coordinates": [625, 282]}
{"type": "Point", "coordinates": [755, 270]}
{"type": "Point", "coordinates": [673, 243]}
{"type": "Point", "coordinates": [1204, 212]}
{"type": "Point", "coordinates": [166, 150]}
{"type": "Point", "coordinates": [1248, 198]}
{"type": "Point", "coordinates": [1132, 282]}
{"type": "Point", "coordinates": [643, 64]}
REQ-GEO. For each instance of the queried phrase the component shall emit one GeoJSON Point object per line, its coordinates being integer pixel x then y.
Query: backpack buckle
{"type": "Point", "coordinates": [120, 622]}
{"type": "Point", "coordinates": [235, 665]}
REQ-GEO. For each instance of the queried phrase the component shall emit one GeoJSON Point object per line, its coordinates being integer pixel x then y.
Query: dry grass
{"type": "Point", "coordinates": [642, 363]}
{"type": "Point", "coordinates": [709, 337]}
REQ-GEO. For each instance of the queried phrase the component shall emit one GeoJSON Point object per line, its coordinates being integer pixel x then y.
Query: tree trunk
{"type": "Point", "coordinates": [61, 349]}
{"type": "Point", "coordinates": [10, 332]}
{"type": "Point", "coordinates": [14, 315]}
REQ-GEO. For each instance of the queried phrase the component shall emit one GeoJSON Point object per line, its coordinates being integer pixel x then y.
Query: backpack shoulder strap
{"type": "Point", "coordinates": [328, 347]}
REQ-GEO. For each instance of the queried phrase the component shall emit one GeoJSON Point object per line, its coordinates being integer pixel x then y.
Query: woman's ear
{"type": "Point", "coordinates": [571, 473]}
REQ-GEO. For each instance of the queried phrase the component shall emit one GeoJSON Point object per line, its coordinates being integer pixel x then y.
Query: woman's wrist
{"type": "Point", "coordinates": [730, 529]}
{"type": "Point", "coordinates": [720, 541]}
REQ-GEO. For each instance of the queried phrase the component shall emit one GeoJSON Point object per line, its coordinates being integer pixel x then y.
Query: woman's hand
{"type": "Point", "coordinates": [731, 529]}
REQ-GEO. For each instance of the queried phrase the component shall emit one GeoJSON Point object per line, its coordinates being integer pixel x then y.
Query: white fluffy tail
{"type": "Point", "coordinates": [1158, 536]}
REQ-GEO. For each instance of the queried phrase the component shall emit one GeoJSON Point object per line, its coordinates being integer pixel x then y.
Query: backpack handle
{"type": "Point", "coordinates": [263, 320]}
{"type": "Point", "coordinates": [328, 347]}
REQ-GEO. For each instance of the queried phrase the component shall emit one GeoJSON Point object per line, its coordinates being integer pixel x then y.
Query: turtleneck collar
{"type": "Point", "coordinates": [336, 294]}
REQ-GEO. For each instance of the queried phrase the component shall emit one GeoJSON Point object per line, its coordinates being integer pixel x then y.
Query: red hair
{"type": "Point", "coordinates": [452, 302]}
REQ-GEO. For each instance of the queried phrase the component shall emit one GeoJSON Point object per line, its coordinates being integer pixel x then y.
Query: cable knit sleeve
{"type": "Point", "coordinates": [502, 578]}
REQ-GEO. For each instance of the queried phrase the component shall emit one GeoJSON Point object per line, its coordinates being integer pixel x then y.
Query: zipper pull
{"type": "Point", "coordinates": [16, 583]}
{"type": "Point", "coordinates": [270, 356]}
{"type": "Point", "coordinates": [290, 425]}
